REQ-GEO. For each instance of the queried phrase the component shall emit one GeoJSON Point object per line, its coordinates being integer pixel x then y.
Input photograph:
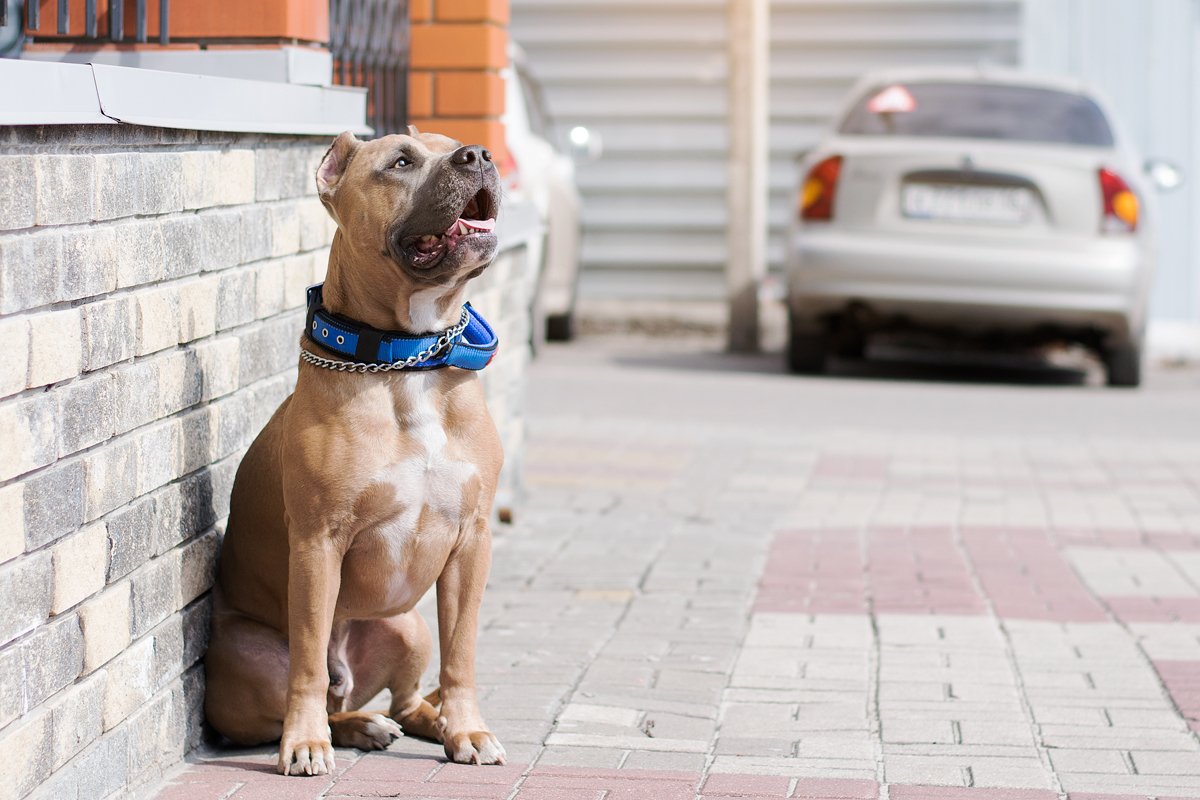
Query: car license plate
{"type": "Point", "coordinates": [997, 205]}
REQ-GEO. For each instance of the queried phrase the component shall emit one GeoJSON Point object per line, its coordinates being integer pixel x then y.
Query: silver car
{"type": "Point", "coordinates": [988, 208]}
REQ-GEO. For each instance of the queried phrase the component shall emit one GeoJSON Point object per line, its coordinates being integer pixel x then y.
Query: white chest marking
{"type": "Point", "coordinates": [428, 479]}
{"type": "Point", "coordinates": [423, 309]}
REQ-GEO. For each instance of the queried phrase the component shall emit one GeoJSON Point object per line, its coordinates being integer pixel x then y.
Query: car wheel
{"type": "Point", "coordinates": [1123, 365]}
{"type": "Point", "coordinates": [807, 351]}
{"type": "Point", "coordinates": [559, 328]}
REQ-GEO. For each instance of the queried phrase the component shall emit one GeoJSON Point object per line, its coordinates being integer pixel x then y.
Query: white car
{"type": "Point", "coordinates": [985, 207]}
{"type": "Point", "coordinates": [544, 177]}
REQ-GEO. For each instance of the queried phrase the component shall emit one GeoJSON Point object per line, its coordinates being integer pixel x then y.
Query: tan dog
{"type": "Point", "coordinates": [364, 490]}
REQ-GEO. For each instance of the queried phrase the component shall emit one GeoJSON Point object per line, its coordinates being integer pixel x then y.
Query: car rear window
{"type": "Point", "coordinates": [985, 111]}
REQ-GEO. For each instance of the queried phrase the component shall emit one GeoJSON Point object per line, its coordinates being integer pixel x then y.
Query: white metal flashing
{"type": "Point", "coordinates": [305, 65]}
{"type": "Point", "coordinates": [40, 93]}
{"type": "Point", "coordinates": [48, 94]}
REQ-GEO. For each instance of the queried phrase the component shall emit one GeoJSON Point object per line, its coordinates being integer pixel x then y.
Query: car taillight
{"type": "Point", "coordinates": [816, 196]}
{"type": "Point", "coordinates": [1120, 204]}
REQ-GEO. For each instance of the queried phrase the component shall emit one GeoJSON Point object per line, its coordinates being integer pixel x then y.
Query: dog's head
{"type": "Point", "coordinates": [424, 201]}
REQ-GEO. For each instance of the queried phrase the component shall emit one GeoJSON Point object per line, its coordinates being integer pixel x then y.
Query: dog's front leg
{"type": "Point", "coordinates": [314, 579]}
{"type": "Point", "coordinates": [459, 592]}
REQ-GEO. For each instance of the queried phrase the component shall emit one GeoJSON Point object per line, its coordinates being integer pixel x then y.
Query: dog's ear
{"type": "Point", "coordinates": [333, 166]}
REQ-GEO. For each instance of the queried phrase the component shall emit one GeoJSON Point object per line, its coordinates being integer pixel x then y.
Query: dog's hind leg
{"type": "Point", "coordinates": [393, 653]}
{"type": "Point", "coordinates": [246, 672]}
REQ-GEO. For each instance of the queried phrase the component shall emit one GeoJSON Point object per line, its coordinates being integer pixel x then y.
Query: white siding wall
{"type": "Point", "coordinates": [1145, 56]}
{"type": "Point", "coordinates": [649, 76]}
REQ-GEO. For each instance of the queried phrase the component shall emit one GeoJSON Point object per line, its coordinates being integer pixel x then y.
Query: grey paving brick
{"type": "Point", "coordinates": [235, 299]}
{"type": "Point", "coordinates": [168, 528]}
{"type": "Point", "coordinates": [161, 183]}
{"type": "Point", "coordinates": [183, 246]}
{"type": "Point", "coordinates": [77, 717]}
{"type": "Point", "coordinates": [88, 413]}
{"type": "Point", "coordinates": [109, 477]}
{"type": "Point", "coordinates": [196, 619]}
{"type": "Point", "coordinates": [256, 233]}
{"type": "Point", "coordinates": [90, 259]}
{"type": "Point", "coordinates": [52, 658]}
{"type": "Point", "coordinates": [131, 534]}
{"type": "Point", "coordinates": [199, 502]}
{"type": "Point", "coordinates": [285, 229]}
{"type": "Point", "coordinates": [31, 270]}
{"type": "Point", "coordinates": [65, 188]}
{"type": "Point", "coordinates": [136, 392]}
{"type": "Point", "coordinates": [155, 592]}
{"type": "Point", "coordinates": [108, 330]}
{"type": "Point", "coordinates": [54, 502]}
{"type": "Point", "coordinates": [129, 682]}
{"type": "Point", "coordinates": [155, 734]}
{"type": "Point", "coordinates": [141, 247]}
{"type": "Point", "coordinates": [269, 347]}
{"type": "Point", "coordinates": [168, 661]}
{"type": "Point", "coordinates": [221, 238]}
{"type": "Point", "coordinates": [103, 768]}
{"type": "Point", "coordinates": [198, 566]}
{"type": "Point", "coordinates": [25, 592]}
{"type": "Point", "coordinates": [28, 746]}
{"type": "Point", "coordinates": [12, 685]}
{"type": "Point", "coordinates": [18, 188]}
{"type": "Point", "coordinates": [200, 432]}
{"type": "Point", "coordinates": [118, 185]}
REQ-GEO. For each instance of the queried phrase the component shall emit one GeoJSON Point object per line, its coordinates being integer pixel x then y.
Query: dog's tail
{"type": "Point", "coordinates": [434, 698]}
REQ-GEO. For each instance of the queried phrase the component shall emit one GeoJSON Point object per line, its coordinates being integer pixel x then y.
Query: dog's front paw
{"type": "Point", "coordinates": [475, 747]}
{"type": "Point", "coordinates": [363, 729]}
{"type": "Point", "coordinates": [300, 755]}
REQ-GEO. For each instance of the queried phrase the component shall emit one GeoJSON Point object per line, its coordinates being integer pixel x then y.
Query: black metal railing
{"type": "Point", "coordinates": [369, 42]}
{"type": "Point", "coordinates": [116, 19]}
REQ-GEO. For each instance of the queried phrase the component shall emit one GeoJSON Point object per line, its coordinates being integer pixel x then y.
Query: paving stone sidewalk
{"type": "Point", "coordinates": [728, 581]}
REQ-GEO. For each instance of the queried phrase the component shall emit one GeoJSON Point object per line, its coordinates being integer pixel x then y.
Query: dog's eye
{"type": "Point", "coordinates": [401, 162]}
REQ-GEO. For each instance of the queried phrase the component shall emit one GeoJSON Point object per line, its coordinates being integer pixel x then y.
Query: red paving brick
{"type": "Point", "coordinates": [195, 790]}
{"type": "Point", "coordinates": [559, 794]}
{"type": "Point", "coordinates": [618, 774]}
{"type": "Point", "coordinates": [841, 789]}
{"type": "Point", "coordinates": [1173, 541]}
{"type": "Point", "coordinates": [746, 785]}
{"type": "Point", "coordinates": [1155, 609]}
{"type": "Point", "coordinates": [286, 789]}
{"type": "Point", "coordinates": [920, 571]}
{"type": "Point", "coordinates": [380, 767]}
{"type": "Point", "coordinates": [1182, 679]}
{"type": "Point", "coordinates": [472, 773]}
{"type": "Point", "coordinates": [813, 572]}
{"type": "Point", "coordinates": [423, 789]}
{"type": "Point", "coordinates": [960, 793]}
{"type": "Point", "coordinates": [856, 467]}
{"type": "Point", "coordinates": [1086, 796]}
{"type": "Point", "coordinates": [1026, 577]}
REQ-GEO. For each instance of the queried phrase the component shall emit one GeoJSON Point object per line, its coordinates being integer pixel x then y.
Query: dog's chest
{"type": "Point", "coordinates": [428, 487]}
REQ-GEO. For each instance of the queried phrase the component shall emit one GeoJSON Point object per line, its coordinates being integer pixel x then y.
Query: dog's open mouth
{"type": "Point", "coordinates": [476, 219]}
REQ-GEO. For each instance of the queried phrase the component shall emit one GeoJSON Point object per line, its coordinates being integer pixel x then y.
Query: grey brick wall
{"type": "Point", "coordinates": [151, 293]}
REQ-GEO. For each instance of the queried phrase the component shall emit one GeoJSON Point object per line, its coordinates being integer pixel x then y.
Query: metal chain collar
{"type": "Point", "coordinates": [355, 366]}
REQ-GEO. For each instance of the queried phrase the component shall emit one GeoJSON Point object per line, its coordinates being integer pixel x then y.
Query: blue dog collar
{"type": "Point", "coordinates": [363, 346]}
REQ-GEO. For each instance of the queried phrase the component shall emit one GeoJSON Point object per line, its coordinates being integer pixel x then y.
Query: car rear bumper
{"type": "Point", "coordinates": [971, 284]}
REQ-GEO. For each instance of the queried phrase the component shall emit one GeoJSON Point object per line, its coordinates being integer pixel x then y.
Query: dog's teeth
{"type": "Point", "coordinates": [462, 228]}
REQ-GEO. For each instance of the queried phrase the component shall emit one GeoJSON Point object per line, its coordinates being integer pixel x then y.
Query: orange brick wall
{"type": "Point", "coordinates": [305, 20]}
{"type": "Point", "coordinates": [455, 88]}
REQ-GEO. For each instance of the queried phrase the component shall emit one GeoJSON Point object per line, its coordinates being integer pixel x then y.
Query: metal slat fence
{"type": "Point", "coordinates": [369, 42]}
{"type": "Point", "coordinates": [116, 19]}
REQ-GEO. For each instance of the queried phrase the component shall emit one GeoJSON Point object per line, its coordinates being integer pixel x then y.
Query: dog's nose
{"type": "Point", "coordinates": [469, 155]}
